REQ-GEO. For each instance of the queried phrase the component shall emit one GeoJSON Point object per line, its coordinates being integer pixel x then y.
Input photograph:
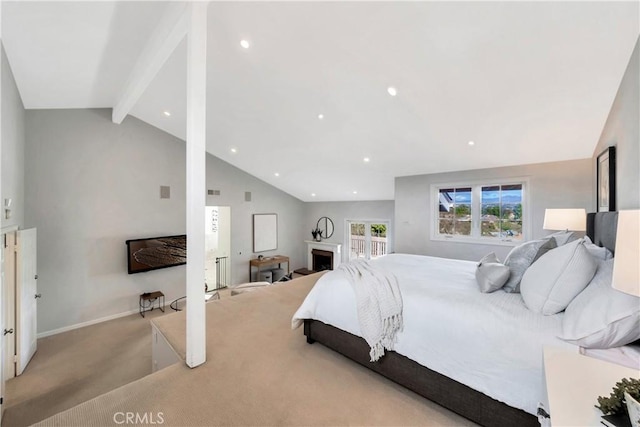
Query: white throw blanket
{"type": "Point", "coordinates": [379, 304]}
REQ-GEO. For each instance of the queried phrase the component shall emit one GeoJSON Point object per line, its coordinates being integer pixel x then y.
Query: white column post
{"type": "Point", "coordinates": [196, 185]}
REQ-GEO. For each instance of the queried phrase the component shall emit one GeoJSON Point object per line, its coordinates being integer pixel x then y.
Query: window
{"type": "Point", "coordinates": [488, 213]}
{"type": "Point", "coordinates": [502, 211]}
{"type": "Point", "coordinates": [455, 211]}
{"type": "Point", "coordinates": [367, 239]}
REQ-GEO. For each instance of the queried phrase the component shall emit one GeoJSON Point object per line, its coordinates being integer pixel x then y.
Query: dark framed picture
{"type": "Point", "coordinates": [606, 180]}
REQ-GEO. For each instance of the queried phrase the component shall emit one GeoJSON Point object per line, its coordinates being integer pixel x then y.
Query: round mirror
{"type": "Point", "coordinates": [326, 226]}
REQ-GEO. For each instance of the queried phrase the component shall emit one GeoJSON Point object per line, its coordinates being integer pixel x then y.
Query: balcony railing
{"type": "Point", "coordinates": [378, 246]}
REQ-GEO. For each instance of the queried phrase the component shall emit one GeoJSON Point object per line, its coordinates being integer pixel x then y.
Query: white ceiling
{"type": "Point", "coordinates": [527, 81]}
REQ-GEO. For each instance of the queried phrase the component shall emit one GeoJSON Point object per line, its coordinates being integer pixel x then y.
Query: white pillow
{"type": "Point", "coordinates": [562, 237]}
{"type": "Point", "coordinates": [552, 282]}
{"type": "Point", "coordinates": [602, 317]}
{"type": "Point", "coordinates": [521, 257]}
{"type": "Point", "coordinates": [491, 274]}
{"type": "Point", "coordinates": [598, 252]}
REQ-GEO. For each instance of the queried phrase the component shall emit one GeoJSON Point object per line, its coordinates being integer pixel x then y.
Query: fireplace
{"type": "Point", "coordinates": [322, 260]}
{"type": "Point", "coordinates": [326, 249]}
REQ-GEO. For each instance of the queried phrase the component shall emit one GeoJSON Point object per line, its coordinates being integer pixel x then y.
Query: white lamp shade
{"type": "Point", "coordinates": [626, 264]}
{"type": "Point", "coordinates": [565, 219]}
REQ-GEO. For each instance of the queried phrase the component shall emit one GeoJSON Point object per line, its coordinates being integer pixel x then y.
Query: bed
{"type": "Point", "coordinates": [505, 389]}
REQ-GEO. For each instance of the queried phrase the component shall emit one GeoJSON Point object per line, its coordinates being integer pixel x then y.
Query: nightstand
{"type": "Point", "coordinates": [148, 300]}
{"type": "Point", "coordinates": [575, 381]}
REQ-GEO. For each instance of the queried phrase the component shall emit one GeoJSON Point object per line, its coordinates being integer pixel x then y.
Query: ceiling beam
{"type": "Point", "coordinates": [169, 32]}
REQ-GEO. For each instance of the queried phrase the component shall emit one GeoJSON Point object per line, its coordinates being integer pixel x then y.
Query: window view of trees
{"type": "Point", "coordinates": [502, 211]}
{"type": "Point", "coordinates": [455, 211]}
{"type": "Point", "coordinates": [377, 230]}
{"type": "Point", "coordinates": [499, 211]}
{"type": "Point", "coordinates": [367, 240]}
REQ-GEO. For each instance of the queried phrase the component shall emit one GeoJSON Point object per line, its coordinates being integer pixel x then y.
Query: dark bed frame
{"type": "Point", "coordinates": [455, 396]}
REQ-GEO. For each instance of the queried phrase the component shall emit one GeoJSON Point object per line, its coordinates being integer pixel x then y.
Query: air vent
{"type": "Point", "coordinates": [165, 192]}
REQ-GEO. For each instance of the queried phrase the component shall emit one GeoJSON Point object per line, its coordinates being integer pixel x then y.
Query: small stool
{"type": "Point", "coordinates": [151, 297]}
{"type": "Point", "coordinates": [303, 271]}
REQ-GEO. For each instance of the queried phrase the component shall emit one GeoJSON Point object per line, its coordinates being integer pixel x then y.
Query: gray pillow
{"type": "Point", "coordinates": [598, 252]}
{"type": "Point", "coordinates": [491, 274]}
{"type": "Point", "coordinates": [549, 285]}
{"type": "Point", "coordinates": [602, 317]}
{"type": "Point", "coordinates": [563, 237]}
{"type": "Point", "coordinates": [521, 257]}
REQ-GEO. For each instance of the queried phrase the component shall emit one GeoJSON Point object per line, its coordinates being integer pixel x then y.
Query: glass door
{"type": "Point", "coordinates": [357, 240]}
{"type": "Point", "coordinates": [367, 239]}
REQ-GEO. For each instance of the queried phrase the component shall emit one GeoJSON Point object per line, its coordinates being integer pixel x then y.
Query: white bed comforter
{"type": "Point", "coordinates": [490, 342]}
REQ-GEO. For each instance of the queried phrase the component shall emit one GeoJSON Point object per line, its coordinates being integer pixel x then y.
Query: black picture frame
{"type": "Point", "coordinates": [154, 253]}
{"type": "Point", "coordinates": [606, 180]}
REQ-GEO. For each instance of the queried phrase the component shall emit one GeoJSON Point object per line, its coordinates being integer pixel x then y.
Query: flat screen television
{"type": "Point", "coordinates": [156, 252]}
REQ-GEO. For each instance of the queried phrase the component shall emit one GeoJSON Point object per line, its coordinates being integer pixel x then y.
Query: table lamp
{"type": "Point", "coordinates": [626, 263]}
{"type": "Point", "coordinates": [565, 219]}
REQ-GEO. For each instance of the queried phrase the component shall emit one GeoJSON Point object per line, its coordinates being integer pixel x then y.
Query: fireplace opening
{"type": "Point", "coordinates": [322, 260]}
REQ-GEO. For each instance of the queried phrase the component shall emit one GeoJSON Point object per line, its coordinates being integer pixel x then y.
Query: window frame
{"type": "Point", "coordinates": [476, 211]}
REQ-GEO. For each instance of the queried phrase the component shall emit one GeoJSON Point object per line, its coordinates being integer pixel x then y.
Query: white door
{"type": "Point", "coordinates": [27, 295]}
{"type": "Point", "coordinates": [9, 306]}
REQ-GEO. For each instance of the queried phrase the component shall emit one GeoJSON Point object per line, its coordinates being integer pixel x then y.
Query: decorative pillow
{"type": "Point", "coordinates": [563, 237]}
{"type": "Point", "coordinates": [491, 275]}
{"type": "Point", "coordinates": [602, 317]}
{"type": "Point", "coordinates": [549, 285]}
{"type": "Point", "coordinates": [521, 257]}
{"type": "Point", "coordinates": [596, 251]}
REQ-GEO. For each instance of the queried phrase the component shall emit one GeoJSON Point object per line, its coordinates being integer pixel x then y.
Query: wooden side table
{"type": "Point", "coordinates": [148, 300]}
{"type": "Point", "coordinates": [259, 263]}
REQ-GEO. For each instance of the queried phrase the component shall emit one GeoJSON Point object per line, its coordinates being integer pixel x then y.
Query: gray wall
{"type": "Point", "coordinates": [13, 143]}
{"type": "Point", "coordinates": [622, 130]}
{"type": "Point", "coordinates": [340, 212]}
{"type": "Point", "coordinates": [233, 183]}
{"type": "Point", "coordinates": [551, 185]}
{"type": "Point", "coordinates": [93, 184]}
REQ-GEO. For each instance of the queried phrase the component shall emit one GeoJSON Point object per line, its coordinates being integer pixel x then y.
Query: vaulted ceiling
{"type": "Point", "coordinates": [527, 82]}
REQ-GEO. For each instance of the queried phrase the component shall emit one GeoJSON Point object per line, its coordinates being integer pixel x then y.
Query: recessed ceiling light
{"type": "Point", "coordinates": [392, 91]}
{"type": "Point", "coordinates": [245, 44]}
{"type": "Point", "coordinates": [276, 174]}
{"type": "Point", "coordinates": [313, 194]}
{"type": "Point", "coordinates": [234, 150]}
{"type": "Point", "coordinates": [166, 113]}
{"type": "Point", "coordinates": [320, 116]}
{"type": "Point", "coordinates": [366, 160]}
{"type": "Point", "coordinates": [472, 143]}
{"type": "Point", "coordinates": [355, 192]}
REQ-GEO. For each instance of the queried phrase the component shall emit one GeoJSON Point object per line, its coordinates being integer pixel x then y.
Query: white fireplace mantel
{"type": "Point", "coordinates": [336, 248]}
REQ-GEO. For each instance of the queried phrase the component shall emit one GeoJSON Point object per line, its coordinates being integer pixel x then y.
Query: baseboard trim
{"type": "Point", "coordinates": [87, 323]}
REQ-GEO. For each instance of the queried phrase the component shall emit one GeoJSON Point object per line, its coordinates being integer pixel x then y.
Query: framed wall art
{"type": "Point", "coordinates": [606, 180]}
{"type": "Point", "coordinates": [265, 232]}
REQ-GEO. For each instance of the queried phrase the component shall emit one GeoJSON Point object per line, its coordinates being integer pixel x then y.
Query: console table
{"type": "Point", "coordinates": [267, 261]}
